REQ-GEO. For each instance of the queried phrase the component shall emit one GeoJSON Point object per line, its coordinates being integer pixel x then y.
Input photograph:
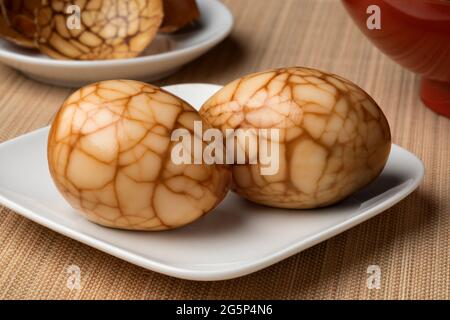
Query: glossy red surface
{"type": "Point", "coordinates": [416, 34]}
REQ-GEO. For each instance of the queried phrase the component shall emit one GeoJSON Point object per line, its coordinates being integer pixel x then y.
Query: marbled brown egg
{"type": "Point", "coordinates": [333, 137]}
{"type": "Point", "coordinates": [107, 29]}
{"type": "Point", "coordinates": [110, 155]}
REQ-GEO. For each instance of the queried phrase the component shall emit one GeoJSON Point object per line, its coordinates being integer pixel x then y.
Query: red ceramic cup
{"type": "Point", "coordinates": [416, 34]}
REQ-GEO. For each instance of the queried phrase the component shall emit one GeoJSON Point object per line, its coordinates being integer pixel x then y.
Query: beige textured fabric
{"type": "Point", "coordinates": [410, 242]}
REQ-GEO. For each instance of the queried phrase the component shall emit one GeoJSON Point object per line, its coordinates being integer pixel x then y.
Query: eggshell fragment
{"type": "Point", "coordinates": [179, 14]}
{"type": "Point", "coordinates": [17, 21]}
{"type": "Point", "coordinates": [109, 153]}
{"type": "Point", "coordinates": [333, 137]}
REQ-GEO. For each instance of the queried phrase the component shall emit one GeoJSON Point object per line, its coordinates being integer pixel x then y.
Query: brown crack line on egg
{"type": "Point", "coordinates": [346, 90]}
{"type": "Point", "coordinates": [49, 29]}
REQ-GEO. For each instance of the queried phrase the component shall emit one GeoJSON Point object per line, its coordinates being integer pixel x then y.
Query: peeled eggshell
{"type": "Point", "coordinates": [333, 137]}
{"type": "Point", "coordinates": [109, 29]}
{"type": "Point", "coordinates": [17, 21]}
{"type": "Point", "coordinates": [109, 153]}
{"type": "Point", "coordinates": [179, 14]}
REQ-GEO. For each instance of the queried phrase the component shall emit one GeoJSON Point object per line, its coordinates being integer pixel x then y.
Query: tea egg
{"type": "Point", "coordinates": [333, 139]}
{"type": "Point", "coordinates": [110, 156]}
{"type": "Point", "coordinates": [97, 29]}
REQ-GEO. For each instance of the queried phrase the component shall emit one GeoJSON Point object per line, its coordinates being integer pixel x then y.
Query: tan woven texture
{"type": "Point", "coordinates": [410, 242]}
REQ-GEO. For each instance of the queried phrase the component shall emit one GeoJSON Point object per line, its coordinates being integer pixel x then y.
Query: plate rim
{"type": "Point", "coordinates": [14, 57]}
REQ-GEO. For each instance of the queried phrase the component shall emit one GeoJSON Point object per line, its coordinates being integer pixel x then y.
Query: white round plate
{"type": "Point", "coordinates": [236, 239]}
{"type": "Point", "coordinates": [165, 55]}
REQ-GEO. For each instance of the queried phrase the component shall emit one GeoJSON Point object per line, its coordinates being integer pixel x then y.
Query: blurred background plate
{"type": "Point", "coordinates": [165, 55]}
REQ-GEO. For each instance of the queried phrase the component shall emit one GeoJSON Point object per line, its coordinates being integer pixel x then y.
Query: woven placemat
{"type": "Point", "coordinates": [409, 242]}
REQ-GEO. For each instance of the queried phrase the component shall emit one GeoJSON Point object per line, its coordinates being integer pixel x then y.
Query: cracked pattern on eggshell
{"type": "Point", "coordinates": [334, 139]}
{"type": "Point", "coordinates": [109, 153]}
{"type": "Point", "coordinates": [110, 29]}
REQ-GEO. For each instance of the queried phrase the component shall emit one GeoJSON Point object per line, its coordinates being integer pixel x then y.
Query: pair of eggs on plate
{"type": "Point", "coordinates": [110, 147]}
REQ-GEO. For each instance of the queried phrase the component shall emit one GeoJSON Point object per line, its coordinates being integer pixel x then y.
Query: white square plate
{"type": "Point", "coordinates": [236, 239]}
